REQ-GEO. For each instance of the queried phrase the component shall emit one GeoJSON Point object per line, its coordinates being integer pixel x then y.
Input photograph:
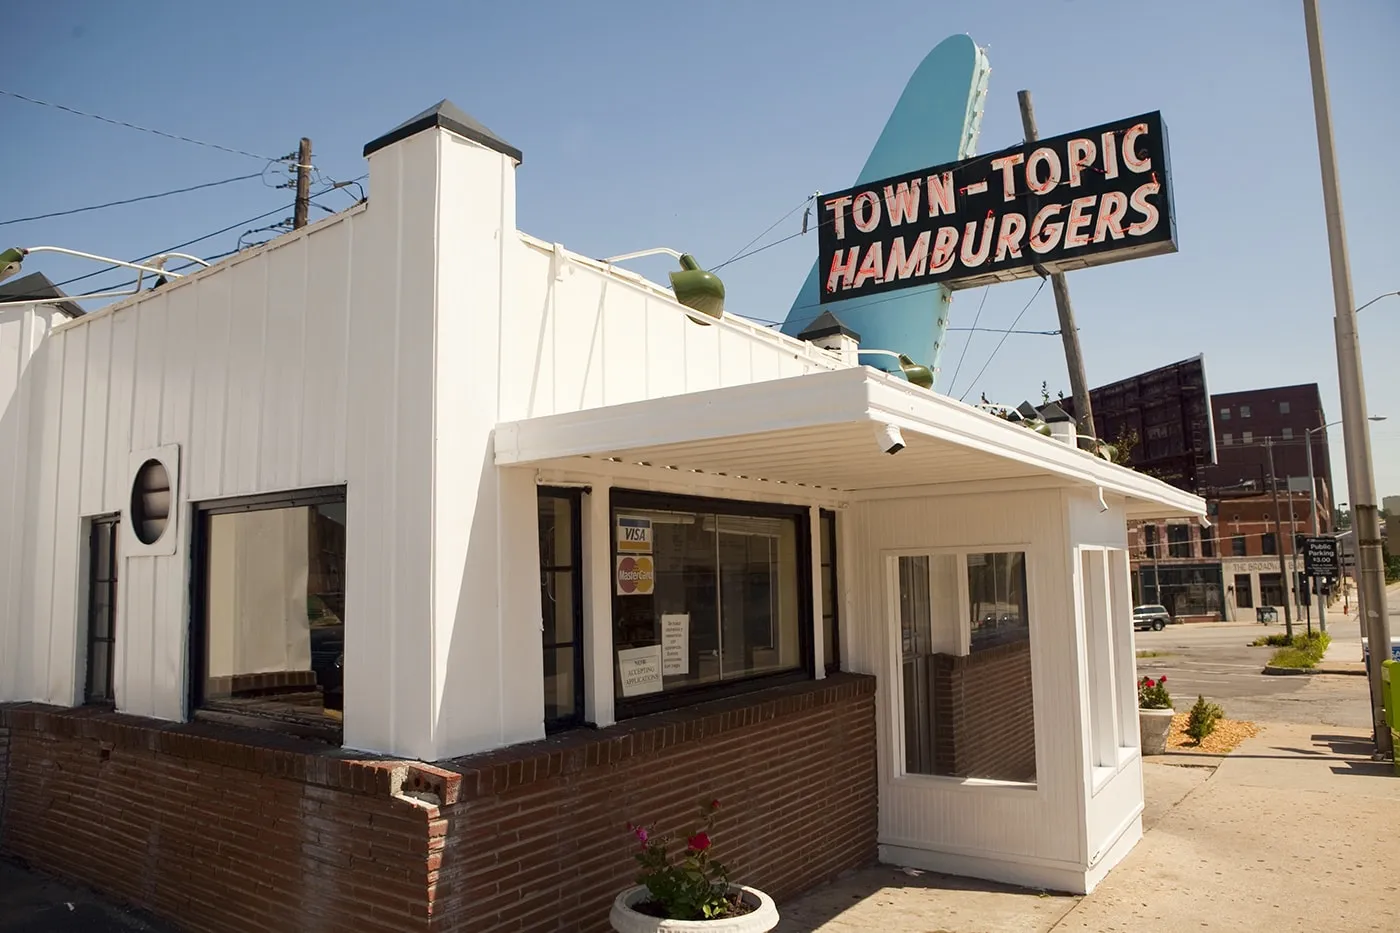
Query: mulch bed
{"type": "Point", "coordinates": [1228, 733]}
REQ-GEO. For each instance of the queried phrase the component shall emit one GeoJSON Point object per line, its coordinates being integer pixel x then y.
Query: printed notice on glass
{"type": "Point", "coordinates": [675, 643]}
{"type": "Point", "coordinates": [640, 670]}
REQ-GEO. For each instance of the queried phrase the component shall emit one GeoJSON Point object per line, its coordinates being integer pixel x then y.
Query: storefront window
{"type": "Point", "coordinates": [707, 594]}
{"type": "Point", "coordinates": [271, 638]}
{"type": "Point", "coordinates": [1271, 590]}
{"type": "Point", "coordinates": [1244, 591]}
{"type": "Point", "coordinates": [831, 628]}
{"type": "Point", "coordinates": [561, 604]}
{"type": "Point", "coordinates": [966, 695]}
{"type": "Point", "coordinates": [996, 589]}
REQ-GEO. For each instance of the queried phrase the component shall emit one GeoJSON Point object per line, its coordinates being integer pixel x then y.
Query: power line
{"type": "Point", "coordinates": [133, 126]}
{"type": "Point", "coordinates": [198, 239]}
{"type": "Point", "coordinates": [766, 232]}
{"type": "Point", "coordinates": [975, 318]}
{"type": "Point", "coordinates": [1038, 290]}
{"type": "Point", "coordinates": [144, 197]}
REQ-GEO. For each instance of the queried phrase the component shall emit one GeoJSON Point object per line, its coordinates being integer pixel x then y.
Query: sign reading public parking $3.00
{"type": "Point", "coordinates": [1320, 557]}
{"type": "Point", "coordinates": [1083, 199]}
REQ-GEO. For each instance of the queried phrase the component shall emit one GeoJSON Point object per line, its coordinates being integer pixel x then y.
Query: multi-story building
{"type": "Point", "coordinates": [1248, 423]}
{"type": "Point", "coordinates": [1230, 569]}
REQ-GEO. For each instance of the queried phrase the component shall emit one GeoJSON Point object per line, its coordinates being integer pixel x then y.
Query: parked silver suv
{"type": "Point", "coordinates": [1151, 616]}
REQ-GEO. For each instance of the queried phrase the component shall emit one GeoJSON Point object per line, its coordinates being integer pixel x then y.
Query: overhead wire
{"type": "Point", "coordinates": [133, 126]}
{"type": "Point", "coordinates": [198, 239]}
{"type": "Point", "coordinates": [975, 318]}
{"type": "Point", "coordinates": [738, 254]}
{"type": "Point", "coordinates": [1000, 342]}
{"type": "Point", "coordinates": [144, 197]}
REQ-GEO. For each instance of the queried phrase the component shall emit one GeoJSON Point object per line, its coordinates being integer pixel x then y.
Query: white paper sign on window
{"type": "Point", "coordinates": [640, 670]}
{"type": "Point", "coordinates": [675, 643]}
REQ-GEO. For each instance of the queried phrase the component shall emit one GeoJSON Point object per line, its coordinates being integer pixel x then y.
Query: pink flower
{"type": "Point", "coordinates": [699, 842]}
{"type": "Point", "coordinates": [714, 804]}
{"type": "Point", "coordinates": [1162, 679]}
{"type": "Point", "coordinates": [641, 833]}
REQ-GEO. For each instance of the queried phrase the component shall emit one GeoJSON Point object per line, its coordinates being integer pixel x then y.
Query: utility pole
{"type": "Point", "coordinates": [1278, 543]}
{"type": "Point", "coordinates": [303, 207]}
{"type": "Point", "coordinates": [1074, 360]}
{"type": "Point", "coordinates": [1356, 431]}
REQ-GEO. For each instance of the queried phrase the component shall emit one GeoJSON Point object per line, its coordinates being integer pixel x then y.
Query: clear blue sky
{"type": "Point", "coordinates": [697, 125]}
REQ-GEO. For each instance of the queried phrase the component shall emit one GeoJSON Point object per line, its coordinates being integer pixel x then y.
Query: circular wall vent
{"type": "Point", "coordinates": [150, 502]}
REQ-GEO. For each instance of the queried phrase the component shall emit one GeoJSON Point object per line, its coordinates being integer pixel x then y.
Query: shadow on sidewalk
{"type": "Point", "coordinates": [948, 898]}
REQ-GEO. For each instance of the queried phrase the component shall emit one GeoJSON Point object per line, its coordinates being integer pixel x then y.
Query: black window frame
{"type": "Point", "coordinates": [827, 521]}
{"type": "Point", "coordinates": [1244, 591]}
{"type": "Point", "coordinates": [1239, 546]}
{"type": "Point", "coordinates": [1268, 544]}
{"type": "Point", "coordinates": [574, 496]}
{"type": "Point", "coordinates": [624, 499]}
{"type": "Point", "coordinates": [331, 731]}
{"type": "Point", "coordinates": [1181, 547]}
{"type": "Point", "coordinates": [109, 525]}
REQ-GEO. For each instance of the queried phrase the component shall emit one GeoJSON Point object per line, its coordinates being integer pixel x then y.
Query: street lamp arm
{"type": "Point", "coordinates": [1376, 299]}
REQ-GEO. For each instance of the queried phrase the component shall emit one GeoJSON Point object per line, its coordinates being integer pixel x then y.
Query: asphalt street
{"type": "Point", "coordinates": [1216, 660]}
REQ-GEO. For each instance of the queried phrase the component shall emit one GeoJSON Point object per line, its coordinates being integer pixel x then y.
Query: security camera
{"type": "Point", "coordinates": [889, 438]}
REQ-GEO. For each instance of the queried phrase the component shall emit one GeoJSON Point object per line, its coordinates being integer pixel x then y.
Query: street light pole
{"type": "Point", "coordinates": [1278, 545]}
{"type": "Point", "coordinates": [1357, 434]}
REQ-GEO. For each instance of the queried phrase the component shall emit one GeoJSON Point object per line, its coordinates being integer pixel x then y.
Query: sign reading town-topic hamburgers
{"type": "Point", "coordinates": [1084, 199]}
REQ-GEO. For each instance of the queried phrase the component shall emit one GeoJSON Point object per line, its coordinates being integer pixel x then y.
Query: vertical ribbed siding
{"type": "Point", "coordinates": [941, 815]}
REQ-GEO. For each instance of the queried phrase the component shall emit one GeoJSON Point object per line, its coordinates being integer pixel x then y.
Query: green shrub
{"type": "Point", "coordinates": [1292, 657]}
{"type": "Point", "coordinates": [1200, 722]}
{"type": "Point", "coordinates": [1272, 641]}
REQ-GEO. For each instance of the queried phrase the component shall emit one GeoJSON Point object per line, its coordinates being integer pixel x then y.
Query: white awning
{"type": "Point", "coordinates": [820, 430]}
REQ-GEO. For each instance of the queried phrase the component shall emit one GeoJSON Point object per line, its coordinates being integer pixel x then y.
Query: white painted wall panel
{"type": "Point", "coordinates": [324, 366]}
{"type": "Point", "coordinates": [122, 383]}
{"type": "Point", "coordinates": [93, 500]}
{"type": "Point", "coordinates": [946, 815]}
{"type": "Point", "coordinates": [148, 373]}
{"type": "Point", "coordinates": [37, 554]}
{"type": "Point", "coordinates": [215, 318]}
{"type": "Point", "coordinates": [279, 437]}
{"type": "Point", "coordinates": [626, 373]}
{"type": "Point", "coordinates": [247, 355]}
{"type": "Point", "coordinates": [68, 537]}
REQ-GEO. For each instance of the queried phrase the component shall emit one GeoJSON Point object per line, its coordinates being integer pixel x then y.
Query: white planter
{"type": "Point", "coordinates": [1154, 725]}
{"type": "Point", "coordinates": [626, 920]}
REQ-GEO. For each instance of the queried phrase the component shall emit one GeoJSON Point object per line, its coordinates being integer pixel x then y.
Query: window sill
{"type": "Point", "coordinates": [329, 732]}
{"type": "Point", "coordinates": [632, 707]}
{"type": "Point", "coordinates": [966, 784]}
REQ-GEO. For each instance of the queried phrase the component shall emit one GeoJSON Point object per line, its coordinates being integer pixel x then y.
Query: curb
{"type": "Point", "coordinates": [1286, 671]}
{"type": "Point", "coordinates": [1340, 671]}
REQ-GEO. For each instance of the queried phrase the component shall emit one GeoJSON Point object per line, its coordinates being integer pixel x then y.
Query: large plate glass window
{"type": "Point", "coordinates": [965, 652]}
{"type": "Point", "coordinates": [708, 597]}
{"type": "Point", "coordinates": [270, 621]}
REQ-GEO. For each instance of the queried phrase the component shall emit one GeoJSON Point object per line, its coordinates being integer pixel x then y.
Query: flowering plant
{"type": "Point", "coordinates": [1152, 694]}
{"type": "Point", "coordinates": [690, 886]}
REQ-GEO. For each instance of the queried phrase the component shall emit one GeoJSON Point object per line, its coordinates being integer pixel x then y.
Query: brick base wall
{"type": "Point", "coordinates": [539, 838]}
{"type": "Point", "coordinates": [221, 829]}
{"type": "Point", "coordinates": [984, 708]}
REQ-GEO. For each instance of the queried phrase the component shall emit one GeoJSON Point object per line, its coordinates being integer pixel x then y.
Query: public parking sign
{"type": "Point", "coordinates": [1320, 557]}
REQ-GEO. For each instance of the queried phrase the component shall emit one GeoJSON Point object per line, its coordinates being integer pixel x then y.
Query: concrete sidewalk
{"type": "Point", "coordinates": [1287, 834]}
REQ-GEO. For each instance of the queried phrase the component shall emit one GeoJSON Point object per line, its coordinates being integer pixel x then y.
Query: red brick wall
{"type": "Point", "coordinates": [983, 703]}
{"type": "Point", "coordinates": [215, 829]}
{"type": "Point", "coordinates": [223, 830]}
{"type": "Point", "coordinates": [539, 839]}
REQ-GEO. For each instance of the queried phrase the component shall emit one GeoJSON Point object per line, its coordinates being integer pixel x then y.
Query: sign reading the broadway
{"type": "Point", "coordinates": [1085, 199]}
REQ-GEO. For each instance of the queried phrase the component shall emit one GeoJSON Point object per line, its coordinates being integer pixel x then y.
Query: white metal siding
{"type": "Point", "coordinates": [946, 815]}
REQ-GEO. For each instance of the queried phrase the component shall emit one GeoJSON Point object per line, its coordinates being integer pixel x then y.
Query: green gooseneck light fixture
{"type": "Point", "coordinates": [697, 289]}
{"type": "Point", "coordinates": [917, 373]}
{"type": "Point", "coordinates": [10, 261]}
